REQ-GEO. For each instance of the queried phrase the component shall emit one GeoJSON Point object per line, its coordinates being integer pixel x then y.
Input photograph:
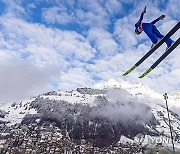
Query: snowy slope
{"type": "Point", "coordinates": [16, 111]}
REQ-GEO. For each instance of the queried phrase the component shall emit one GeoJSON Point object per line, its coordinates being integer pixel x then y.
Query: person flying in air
{"type": "Point", "coordinates": [151, 30]}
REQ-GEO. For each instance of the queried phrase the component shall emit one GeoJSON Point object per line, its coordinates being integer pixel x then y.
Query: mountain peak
{"type": "Point", "coordinates": [136, 88]}
{"type": "Point", "coordinates": [108, 84]}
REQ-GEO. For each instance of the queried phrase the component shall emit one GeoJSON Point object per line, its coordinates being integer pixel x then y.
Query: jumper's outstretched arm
{"type": "Point", "coordinates": [160, 18]}
{"type": "Point", "coordinates": [141, 18]}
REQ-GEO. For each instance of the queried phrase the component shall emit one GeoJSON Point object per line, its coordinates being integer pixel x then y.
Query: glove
{"type": "Point", "coordinates": [144, 11]}
{"type": "Point", "coordinates": [162, 17]}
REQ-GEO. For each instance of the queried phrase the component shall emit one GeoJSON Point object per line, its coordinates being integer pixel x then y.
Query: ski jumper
{"type": "Point", "coordinates": [151, 30]}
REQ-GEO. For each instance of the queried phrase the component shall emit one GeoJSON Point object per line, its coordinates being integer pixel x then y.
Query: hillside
{"type": "Point", "coordinates": [105, 115]}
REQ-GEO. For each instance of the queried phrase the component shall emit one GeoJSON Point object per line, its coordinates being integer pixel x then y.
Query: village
{"type": "Point", "coordinates": [47, 138]}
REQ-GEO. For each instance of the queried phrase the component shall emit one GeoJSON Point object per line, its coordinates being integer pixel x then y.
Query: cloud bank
{"type": "Point", "coordinates": [84, 41]}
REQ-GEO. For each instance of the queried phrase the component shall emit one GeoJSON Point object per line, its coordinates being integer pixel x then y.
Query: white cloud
{"type": "Point", "coordinates": [21, 79]}
{"type": "Point", "coordinates": [103, 42]}
{"type": "Point", "coordinates": [89, 13]}
{"type": "Point", "coordinates": [172, 8]}
{"type": "Point", "coordinates": [105, 48]}
{"type": "Point", "coordinates": [74, 78]}
{"type": "Point", "coordinates": [31, 6]}
{"type": "Point", "coordinates": [14, 8]}
{"type": "Point", "coordinates": [55, 43]}
{"type": "Point", "coordinates": [46, 48]}
{"type": "Point", "coordinates": [124, 30]}
{"type": "Point", "coordinates": [91, 19]}
{"type": "Point", "coordinates": [113, 7]}
{"type": "Point", "coordinates": [57, 15]}
{"type": "Point", "coordinates": [121, 105]}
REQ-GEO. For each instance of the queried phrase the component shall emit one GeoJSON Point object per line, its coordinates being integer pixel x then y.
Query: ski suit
{"type": "Point", "coordinates": [151, 30]}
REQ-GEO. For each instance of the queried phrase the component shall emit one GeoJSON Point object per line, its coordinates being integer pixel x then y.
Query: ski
{"type": "Point", "coordinates": [169, 34]}
{"type": "Point", "coordinates": [167, 52]}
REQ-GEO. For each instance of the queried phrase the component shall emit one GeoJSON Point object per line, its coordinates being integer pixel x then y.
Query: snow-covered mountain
{"type": "Point", "coordinates": [104, 113]}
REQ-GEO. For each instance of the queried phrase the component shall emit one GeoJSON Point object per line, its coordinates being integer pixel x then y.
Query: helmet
{"type": "Point", "coordinates": [138, 31]}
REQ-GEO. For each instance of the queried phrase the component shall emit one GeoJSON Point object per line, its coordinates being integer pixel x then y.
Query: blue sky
{"type": "Point", "coordinates": [65, 44]}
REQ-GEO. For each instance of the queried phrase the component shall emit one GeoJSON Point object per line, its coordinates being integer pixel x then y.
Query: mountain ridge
{"type": "Point", "coordinates": [102, 114]}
